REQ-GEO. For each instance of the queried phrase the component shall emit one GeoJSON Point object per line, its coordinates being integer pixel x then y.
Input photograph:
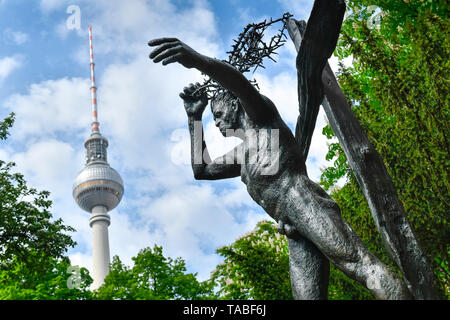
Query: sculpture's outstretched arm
{"type": "Point", "coordinates": [172, 50]}
{"type": "Point", "coordinates": [223, 167]}
{"type": "Point", "coordinates": [319, 40]}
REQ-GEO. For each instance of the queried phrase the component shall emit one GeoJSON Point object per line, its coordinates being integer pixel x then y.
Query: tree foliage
{"type": "Point", "coordinates": [398, 89]}
{"type": "Point", "coordinates": [21, 283]}
{"type": "Point", "coordinates": [32, 246]}
{"type": "Point", "coordinates": [152, 277]}
{"type": "Point", "coordinates": [256, 266]}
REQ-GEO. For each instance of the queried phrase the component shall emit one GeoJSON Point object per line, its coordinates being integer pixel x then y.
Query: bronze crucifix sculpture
{"type": "Point", "coordinates": [276, 178]}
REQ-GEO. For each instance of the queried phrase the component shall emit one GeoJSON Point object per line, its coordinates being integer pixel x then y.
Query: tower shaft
{"type": "Point", "coordinates": [99, 223]}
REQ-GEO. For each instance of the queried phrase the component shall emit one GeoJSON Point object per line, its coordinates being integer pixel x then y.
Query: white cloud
{"type": "Point", "coordinates": [63, 31]}
{"type": "Point", "coordinates": [9, 64]}
{"type": "Point", "coordinates": [17, 37]}
{"type": "Point", "coordinates": [318, 149]}
{"type": "Point", "coordinates": [49, 107]}
{"type": "Point", "coordinates": [79, 259]}
{"type": "Point", "coordinates": [48, 163]}
{"type": "Point", "coordinates": [48, 6]}
{"type": "Point", "coordinates": [334, 62]}
{"type": "Point", "coordinates": [125, 27]}
{"type": "Point", "coordinates": [282, 90]}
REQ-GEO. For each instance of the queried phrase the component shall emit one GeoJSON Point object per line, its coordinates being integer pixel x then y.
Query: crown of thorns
{"type": "Point", "coordinates": [248, 52]}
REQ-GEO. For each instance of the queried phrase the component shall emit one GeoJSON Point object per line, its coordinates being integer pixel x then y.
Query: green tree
{"type": "Point", "coordinates": [152, 277]}
{"type": "Point", "coordinates": [21, 283]}
{"type": "Point", "coordinates": [397, 87]}
{"type": "Point", "coordinates": [32, 247]}
{"type": "Point", "coordinates": [256, 266]}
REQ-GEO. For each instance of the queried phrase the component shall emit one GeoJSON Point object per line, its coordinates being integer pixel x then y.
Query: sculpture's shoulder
{"type": "Point", "coordinates": [270, 105]}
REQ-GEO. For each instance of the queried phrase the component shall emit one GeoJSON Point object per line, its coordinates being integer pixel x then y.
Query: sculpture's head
{"type": "Point", "coordinates": [227, 112]}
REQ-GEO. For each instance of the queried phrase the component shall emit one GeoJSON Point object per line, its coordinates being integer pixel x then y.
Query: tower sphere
{"type": "Point", "coordinates": [98, 185]}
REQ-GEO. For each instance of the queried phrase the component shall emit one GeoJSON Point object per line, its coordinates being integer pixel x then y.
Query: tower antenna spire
{"type": "Point", "coordinates": [95, 123]}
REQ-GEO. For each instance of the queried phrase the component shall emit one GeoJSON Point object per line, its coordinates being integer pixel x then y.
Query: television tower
{"type": "Point", "coordinates": [98, 188]}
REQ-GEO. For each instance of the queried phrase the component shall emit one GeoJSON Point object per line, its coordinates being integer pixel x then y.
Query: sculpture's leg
{"type": "Point", "coordinates": [309, 270]}
{"type": "Point", "coordinates": [317, 217]}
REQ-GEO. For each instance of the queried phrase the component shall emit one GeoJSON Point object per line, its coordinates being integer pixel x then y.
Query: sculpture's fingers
{"type": "Point", "coordinates": [195, 89]}
{"type": "Point", "coordinates": [157, 42]}
{"type": "Point", "coordinates": [172, 59]}
{"type": "Point", "coordinates": [162, 48]}
{"type": "Point", "coordinates": [187, 93]}
{"type": "Point", "coordinates": [187, 90]}
{"type": "Point", "coordinates": [167, 53]}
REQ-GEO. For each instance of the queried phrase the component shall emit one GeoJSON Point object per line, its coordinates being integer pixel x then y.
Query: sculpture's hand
{"type": "Point", "coordinates": [172, 50]}
{"type": "Point", "coordinates": [194, 102]}
{"type": "Point", "coordinates": [287, 229]}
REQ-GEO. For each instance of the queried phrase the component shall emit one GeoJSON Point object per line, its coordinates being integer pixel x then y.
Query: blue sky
{"type": "Point", "coordinates": [44, 79]}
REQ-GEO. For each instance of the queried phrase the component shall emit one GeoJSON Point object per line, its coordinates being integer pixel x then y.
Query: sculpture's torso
{"type": "Point", "coordinates": [276, 179]}
{"type": "Point", "coordinates": [288, 194]}
{"type": "Point", "coordinates": [269, 174]}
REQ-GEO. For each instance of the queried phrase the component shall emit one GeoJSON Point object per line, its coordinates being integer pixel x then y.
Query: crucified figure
{"type": "Point", "coordinates": [303, 210]}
